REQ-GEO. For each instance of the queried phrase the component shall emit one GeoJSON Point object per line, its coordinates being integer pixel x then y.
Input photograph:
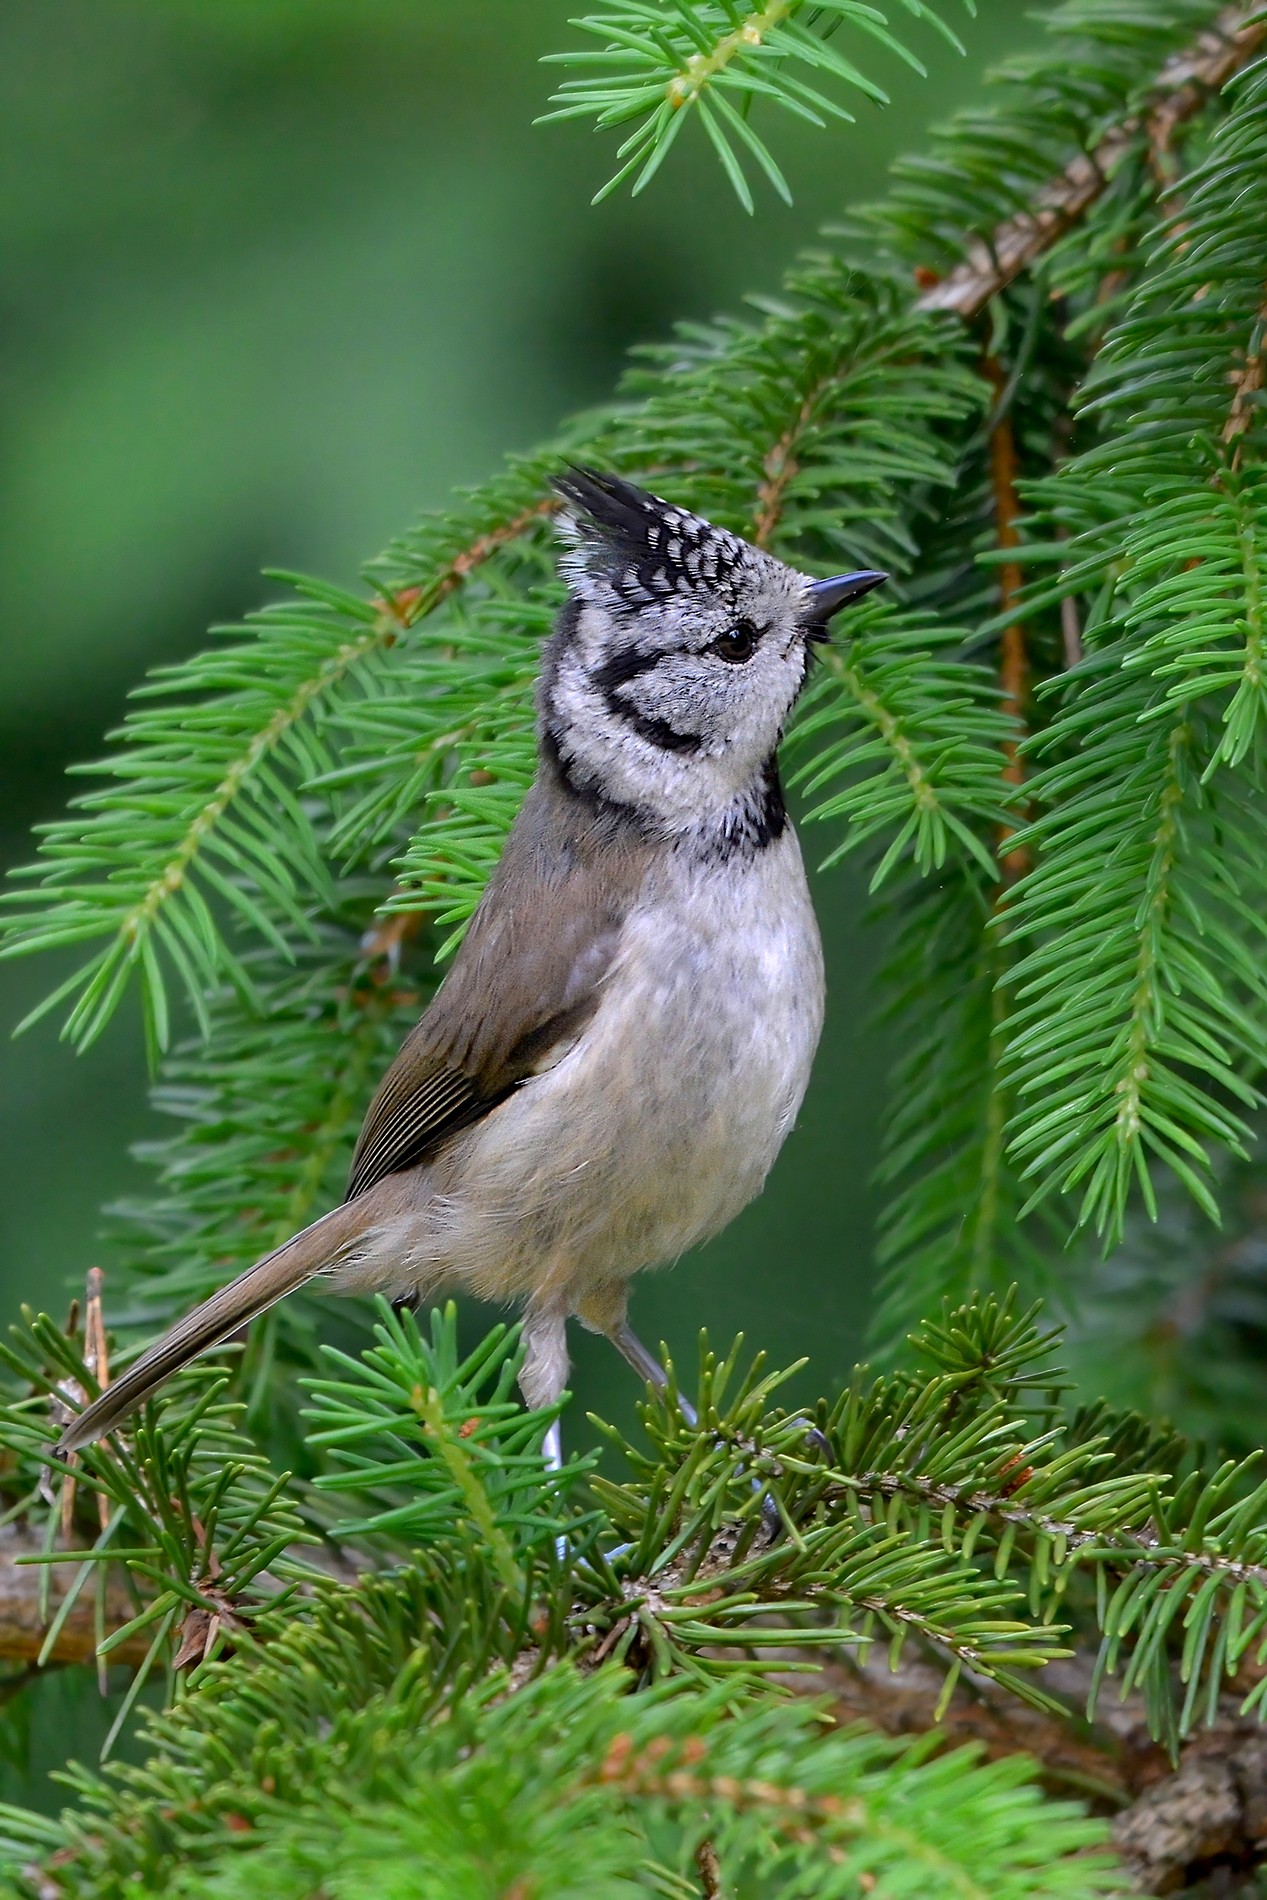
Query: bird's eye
{"type": "Point", "coordinates": [737, 644]}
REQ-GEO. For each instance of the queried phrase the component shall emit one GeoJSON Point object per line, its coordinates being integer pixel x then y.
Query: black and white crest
{"type": "Point", "coordinates": [643, 547]}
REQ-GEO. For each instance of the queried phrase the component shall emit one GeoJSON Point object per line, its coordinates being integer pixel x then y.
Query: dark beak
{"type": "Point", "coordinates": [828, 597]}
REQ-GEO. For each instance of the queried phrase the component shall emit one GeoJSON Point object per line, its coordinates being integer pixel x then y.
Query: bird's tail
{"type": "Point", "coordinates": [254, 1291]}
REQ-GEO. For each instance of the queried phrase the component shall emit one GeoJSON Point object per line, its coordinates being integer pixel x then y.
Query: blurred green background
{"type": "Point", "coordinates": [274, 275]}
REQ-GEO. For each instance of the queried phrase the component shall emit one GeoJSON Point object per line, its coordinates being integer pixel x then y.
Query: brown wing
{"type": "Point", "coordinates": [420, 1101]}
{"type": "Point", "coordinates": [523, 985]}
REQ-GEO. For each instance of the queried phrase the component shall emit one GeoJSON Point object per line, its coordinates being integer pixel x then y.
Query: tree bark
{"type": "Point", "coordinates": [23, 1630]}
{"type": "Point", "coordinates": [1174, 1824]}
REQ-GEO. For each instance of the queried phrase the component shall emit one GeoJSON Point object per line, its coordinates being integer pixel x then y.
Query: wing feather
{"type": "Point", "coordinates": [526, 980]}
{"type": "Point", "coordinates": [396, 1135]}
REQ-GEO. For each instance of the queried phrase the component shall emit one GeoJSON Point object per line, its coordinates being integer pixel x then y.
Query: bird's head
{"type": "Point", "coordinates": [680, 654]}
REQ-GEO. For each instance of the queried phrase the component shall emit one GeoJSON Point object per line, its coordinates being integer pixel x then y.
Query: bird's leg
{"type": "Point", "coordinates": [647, 1366]}
{"type": "Point", "coordinates": [605, 1310]}
{"type": "Point", "coordinates": [542, 1377]}
{"type": "Point", "coordinates": [544, 1372]}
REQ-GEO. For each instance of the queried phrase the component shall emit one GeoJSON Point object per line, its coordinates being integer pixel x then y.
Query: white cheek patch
{"type": "Point", "coordinates": [683, 692]}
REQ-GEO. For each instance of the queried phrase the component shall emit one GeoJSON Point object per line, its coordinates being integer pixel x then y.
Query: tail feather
{"type": "Point", "coordinates": [253, 1292]}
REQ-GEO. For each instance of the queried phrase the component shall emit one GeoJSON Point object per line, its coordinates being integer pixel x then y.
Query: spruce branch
{"type": "Point", "coordinates": [953, 1221]}
{"type": "Point", "coordinates": [200, 1525]}
{"type": "Point", "coordinates": [1141, 983]}
{"type": "Point", "coordinates": [1247, 382]}
{"type": "Point", "coordinates": [1096, 1016]}
{"type": "Point", "coordinates": [812, 429]}
{"type": "Point", "coordinates": [560, 1783]}
{"type": "Point", "coordinates": [950, 1496]}
{"type": "Point", "coordinates": [204, 821]}
{"type": "Point", "coordinates": [950, 1221]}
{"type": "Point", "coordinates": [663, 60]}
{"type": "Point", "coordinates": [1173, 1822]}
{"type": "Point", "coordinates": [1182, 86]}
{"type": "Point", "coordinates": [411, 603]}
{"type": "Point", "coordinates": [419, 1437]}
{"type": "Point", "coordinates": [787, 414]}
{"type": "Point", "coordinates": [451, 737]}
{"type": "Point", "coordinates": [827, 430]}
{"type": "Point", "coordinates": [1118, 1072]}
{"type": "Point", "coordinates": [1173, 1320]}
{"type": "Point", "coordinates": [904, 740]}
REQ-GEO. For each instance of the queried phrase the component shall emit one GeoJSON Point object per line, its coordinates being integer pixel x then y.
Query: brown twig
{"type": "Point", "coordinates": [97, 1362]}
{"type": "Point", "coordinates": [1184, 83]}
{"type": "Point", "coordinates": [1141, 1546]}
{"type": "Point", "coordinates": [1246, 384]}
{"type": "Point", "coordinates": [660, 1772]}
{"type": "Point", "coordinates": [407, 604]}
{"type": "Point", "coordinates": [97, 1357]}
{"type": "Point", "coordinates": [1013, 659]}
{"type": "Point", "coordinates": [1115, 1760]}
{"type": "Point", "coordinates": [709, 1868]}
{"type": "Point", "coordinates": [780, 465]}
{"type": "Point", "coordinates": [1070, 630]}
{"type": "Point", "coordinates": [25, 1618]}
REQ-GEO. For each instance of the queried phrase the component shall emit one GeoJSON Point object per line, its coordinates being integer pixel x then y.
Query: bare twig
{"type": "Point", "coordinates": [709, 1868]}
{"type": "Point", "coordinates": [97, 1357]}
{"type": "Point", "coordinates": [1246, 384]}
{"type": "Point", "coordinates": [1182, 86]}
{"type": "Point", "coordinates": [97, 1362]}
{"type": "Point", "coordinates": [1070, 630]}
{"type": "Point", "coordinates": [25, 1619]}
{"type": "Point", "coordinates": [1114, 1761]}
{"type": "Point", "coordinates": [1013, 659]}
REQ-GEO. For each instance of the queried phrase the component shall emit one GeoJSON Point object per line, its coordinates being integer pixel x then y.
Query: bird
{"type": "Point", "coordinates": [608, 1070]}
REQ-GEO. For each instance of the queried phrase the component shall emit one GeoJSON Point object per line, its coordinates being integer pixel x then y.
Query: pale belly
{"type": "Point", "coordinates": [659, 1124]}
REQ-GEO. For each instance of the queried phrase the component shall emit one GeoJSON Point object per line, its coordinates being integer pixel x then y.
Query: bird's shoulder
{"type": "Point", "coordinates": [527, 977]}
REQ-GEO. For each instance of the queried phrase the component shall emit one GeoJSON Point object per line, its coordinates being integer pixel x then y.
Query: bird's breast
{"type": "Point", "coordinates": [662, 1120]}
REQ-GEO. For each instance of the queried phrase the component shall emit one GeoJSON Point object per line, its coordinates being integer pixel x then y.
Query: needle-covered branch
{"type": "Point", "coordinates": [662, 61]}
{"type": "Point", "coordinates": [1186, 80]}
{"type": "Point", "coordinates": [958, 1513]}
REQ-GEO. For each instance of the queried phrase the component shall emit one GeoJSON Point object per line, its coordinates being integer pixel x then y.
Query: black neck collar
{"type": "Point", "coordinates": [756, 818]}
